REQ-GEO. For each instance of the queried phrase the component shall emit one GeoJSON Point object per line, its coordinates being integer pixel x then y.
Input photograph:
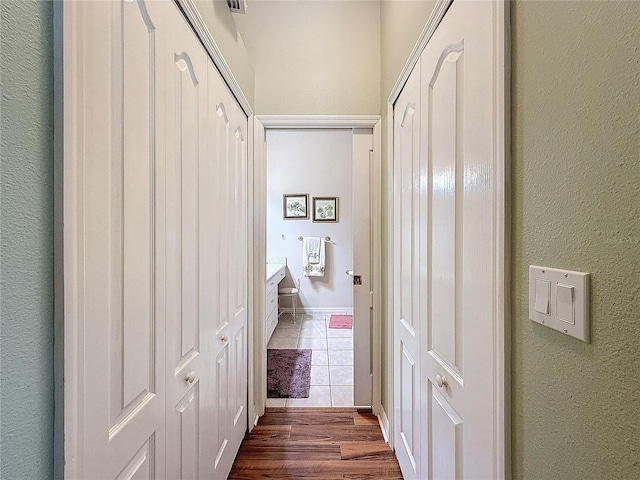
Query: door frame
{"type": "Point", "coordinates": [502, 122]}
{"type": "Point", "coordinates": [261, 124]}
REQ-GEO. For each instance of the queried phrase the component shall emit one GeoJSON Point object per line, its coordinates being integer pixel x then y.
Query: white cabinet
{"type": "Point", "coordinates": [271, 299]}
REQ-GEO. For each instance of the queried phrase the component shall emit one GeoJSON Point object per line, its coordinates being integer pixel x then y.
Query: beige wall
{"type": "Point", "coordinates": [220, 23]}
{"type": "Point", "coordinates": [576, 205]}
{"type": "Point", "coordinates": [314, 57]}
{"type": "Point", "coordinates": [401, 22]}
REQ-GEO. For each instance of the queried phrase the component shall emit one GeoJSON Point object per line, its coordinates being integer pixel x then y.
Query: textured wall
{"type": "Point", "coordinates": [401, 22]}
{"type": "Point", "coordinates": [576, 205]}
{"type": "Point", "coordinates": [26, 145]}
{"type": "Point", "coordinates": [314, 57]}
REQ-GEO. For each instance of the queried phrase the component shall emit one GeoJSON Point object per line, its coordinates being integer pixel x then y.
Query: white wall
{"type": "Point", "coordinates": [317, 162]}
{"type": "Point", "coordinates": [314, 57]}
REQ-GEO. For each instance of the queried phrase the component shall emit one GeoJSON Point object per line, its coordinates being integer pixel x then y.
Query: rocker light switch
{"type": "Point", "coordinates": [564, 303]}
{"type": "Point", "coordinates": [559, 299]}
{"type": "Point", "coordinates": [543, 292]}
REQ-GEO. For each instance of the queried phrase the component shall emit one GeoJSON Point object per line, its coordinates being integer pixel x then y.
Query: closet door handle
{"type": "Point", "coordinates": [190, 377]}
{"type": "Point", "coordinates": [441, 380]}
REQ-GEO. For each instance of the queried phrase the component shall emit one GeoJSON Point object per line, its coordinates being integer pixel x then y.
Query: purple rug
{"type": "Point", "coordinates": [288, 373]}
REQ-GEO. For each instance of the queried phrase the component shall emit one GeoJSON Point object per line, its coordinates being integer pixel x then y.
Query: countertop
{"type": "Point", "coordinates": [273, 268]}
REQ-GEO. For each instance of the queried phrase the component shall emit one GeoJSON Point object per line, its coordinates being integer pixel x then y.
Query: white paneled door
{"type": "Point", "coordinates": [155, 201]}
{"type": "Point", "coordinates": [407, 322]}
{"type": "Point", "coordinates": [362, 279]}
{"type": "Point", "coordinates": [449, 253]}
{"type": "Point", "coordinates": [188, 321]}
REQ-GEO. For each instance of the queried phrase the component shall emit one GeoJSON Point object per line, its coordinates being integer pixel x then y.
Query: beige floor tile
{"type": "Point", "coordinates": [319, 396]}
{"type": "Point", "coordinates": [283, 343]}
{"type": "Point", "coordinates": [313, 343]}
{"type": "Point", "coordinates": [313, 330]}
{"type": "Point", "coordinates": [339, 333]}
{"type": "Point", "coordinates": [340, 357]}
{"type": "Point", "coordinates": [340, 343]}
{"type": "Point", "coordinates": [320, 375]}
{"type": "Point", "coordinates": [341, 375]}
{"type": "Point", "coordinates": [276, 402]}
{"type": "Point", "coordinates": [285, 333]}
{"type": "Point", "coordinates": [342, 396]}
{"type": "Point", "coordinates": [319, 357]}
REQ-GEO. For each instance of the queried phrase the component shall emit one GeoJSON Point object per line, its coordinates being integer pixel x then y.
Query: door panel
{"type": "Point", "coordinates": [445, 456]}
{"type": "Point", "coordinates": [221, 438]}
{"type": "Point", "coordinates": [228, 157]}
{"type": "Point", "coordinates": [459, 164]}
{"type": "Point", "coordinates": [446, 188]}
{"type": "Point", "coordinates": [406, 314]}
{"type": "Point", "coordinates": [186, 90]}
{"type": "Point", "coordinates": [113, 216]}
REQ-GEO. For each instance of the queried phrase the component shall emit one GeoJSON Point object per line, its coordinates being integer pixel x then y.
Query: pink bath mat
{"type": "Point", "coordinates": [341, 321]}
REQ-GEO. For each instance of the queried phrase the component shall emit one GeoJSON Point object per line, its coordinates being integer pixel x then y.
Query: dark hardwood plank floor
{"type": "Point", "coordinates": [316, 443]}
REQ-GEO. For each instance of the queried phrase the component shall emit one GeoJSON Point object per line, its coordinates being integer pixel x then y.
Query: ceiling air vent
{"type": "Point", "coordinates": [237, 6]}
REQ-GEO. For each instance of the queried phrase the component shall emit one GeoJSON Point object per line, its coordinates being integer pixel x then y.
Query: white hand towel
{"type": "Point", "coordinates": [313, 256]}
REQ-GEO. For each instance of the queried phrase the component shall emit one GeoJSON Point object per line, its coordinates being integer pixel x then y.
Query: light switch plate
{"type": "Point", "coordinates": [569, 319]}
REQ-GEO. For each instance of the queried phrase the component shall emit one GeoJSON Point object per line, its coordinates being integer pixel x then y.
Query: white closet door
{"type": "Point", "coordinates": [155, 248]}
{"type": "Point", "coordinates": [225, 220]}
{"type": "Point", "coordinates": [188, 328]}
{"type": "Point", "coordinates": [463, 196]}
{"type": "Point", "coordinates": [113, 211]}
{"type": "Point", "coordinates": [406, 319]}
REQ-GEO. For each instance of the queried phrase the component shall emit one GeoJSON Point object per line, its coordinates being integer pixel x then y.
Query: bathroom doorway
{"type": "Point", "coordinates": [332, 171]}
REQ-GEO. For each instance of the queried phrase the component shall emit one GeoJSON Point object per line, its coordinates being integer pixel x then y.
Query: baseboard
{"type": "Point", "coordinates": [318, 310]}
{"type": "Point", "coordinates": [383, 420]}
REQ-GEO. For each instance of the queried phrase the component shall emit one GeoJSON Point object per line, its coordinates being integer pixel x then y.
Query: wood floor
{"type": "Point", "coordinates": [316, 443]}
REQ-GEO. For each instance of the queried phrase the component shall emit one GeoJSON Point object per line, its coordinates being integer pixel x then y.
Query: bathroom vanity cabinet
{"type": "Point", "coordinates": [275, 274]}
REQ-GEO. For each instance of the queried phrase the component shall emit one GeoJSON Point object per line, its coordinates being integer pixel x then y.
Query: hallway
{"type": "Point", "coordinates": [319, 443]}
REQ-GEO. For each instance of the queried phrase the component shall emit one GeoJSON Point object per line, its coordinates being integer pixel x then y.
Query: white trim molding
{"type": "Point", "coordinates": [200, 28]}
{"type": "Point", "coordinates": [318, 310]}
{"type": "Point", "coordinates": [434, 20]}
{"type": "Point", "coordinates": [318, 121]}
{"type": "Point", "coordinates": [383, 420]}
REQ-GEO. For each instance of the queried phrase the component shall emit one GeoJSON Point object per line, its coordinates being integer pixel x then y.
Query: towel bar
{"type": "Point", "coordinates": [326, 239]}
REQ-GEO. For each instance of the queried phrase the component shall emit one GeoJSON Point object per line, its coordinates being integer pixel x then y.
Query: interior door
{"type": "Point", "coordinates": [362, 284]}
{"type": "Point", "coordinates": [207, 265]}
{"type": "Point", "coordinates": [188, 326]}
{"type": "Point", "coordinates": [459, 223]}
{"type": "Point", "coordinates": [406, 318]}
{"type": "Point", "coordinates": [226, 219]}
{"type": "Point", "coordinates": [113, 211]}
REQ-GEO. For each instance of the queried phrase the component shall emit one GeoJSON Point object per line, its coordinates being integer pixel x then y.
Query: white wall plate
{"type": "Point", "coordinates": [559, 299]}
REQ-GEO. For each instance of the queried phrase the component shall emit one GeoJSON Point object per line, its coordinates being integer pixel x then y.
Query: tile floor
{"type": "Point", "coordinates": [331, 360]}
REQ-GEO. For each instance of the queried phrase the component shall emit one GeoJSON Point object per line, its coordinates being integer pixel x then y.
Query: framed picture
{"type": "Point", "coordinates": [325, 209]}
{"type": "Point", "coordinates": [295, 206]}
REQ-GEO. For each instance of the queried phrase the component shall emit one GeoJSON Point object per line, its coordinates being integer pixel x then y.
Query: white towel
{"type": "Point", "coordinates": [313, 256]}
